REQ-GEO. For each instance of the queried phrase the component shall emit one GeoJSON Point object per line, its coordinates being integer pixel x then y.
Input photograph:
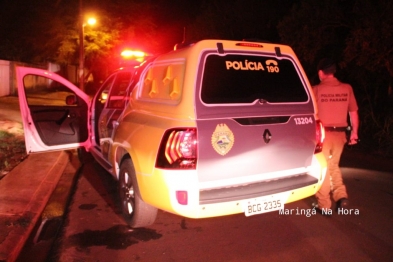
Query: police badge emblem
{"type": "Point", "coordinates": [222, 139]}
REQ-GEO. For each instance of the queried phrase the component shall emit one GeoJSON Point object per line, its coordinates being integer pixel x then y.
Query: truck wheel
{"type": "Point", "coordinates": [135, 212]}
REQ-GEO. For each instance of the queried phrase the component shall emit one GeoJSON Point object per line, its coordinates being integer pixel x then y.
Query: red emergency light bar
{"type": "Point", "coordinates": [134, 55]}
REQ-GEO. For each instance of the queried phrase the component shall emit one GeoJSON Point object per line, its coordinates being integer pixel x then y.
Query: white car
{"type": "Point", "coordinates": [214, 128]}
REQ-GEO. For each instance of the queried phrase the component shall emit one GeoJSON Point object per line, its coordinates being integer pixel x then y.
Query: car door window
{"type": "Point", "coordinates": [118, 94]}
{"type": "Point", "coordinates": [102, 97]}
{"type": "Point", "coordinates": [99, 103]}
{"type": "Point", "coordinates": [59, 115]}
{"type": "Point", "coordinates": [41, 91]}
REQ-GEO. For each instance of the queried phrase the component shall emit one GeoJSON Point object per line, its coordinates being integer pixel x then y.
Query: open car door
{"type": "Point", "coordinates": [54, 111]}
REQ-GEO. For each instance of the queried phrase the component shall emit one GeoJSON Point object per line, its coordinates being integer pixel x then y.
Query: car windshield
{"type": "Point", "coordinates": [248, 78]}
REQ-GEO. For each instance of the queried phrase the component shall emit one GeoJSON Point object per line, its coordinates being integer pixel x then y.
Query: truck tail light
{"type": "Point", "coordinates": [178, 149]}
{"type": "Point", "coordinates": [320, 136]}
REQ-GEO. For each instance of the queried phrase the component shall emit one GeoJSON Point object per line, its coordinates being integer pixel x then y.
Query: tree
{"type": "Point", "coordinates": [370, 47]}
{"type": "Point", "coordinates": [239, 19]}
{"type": "Point", "coordinates": [315, 29]}
{"type": "Point", "coordinates": [48, 31]}
{"type": "Point", "coordinates": [370, 42]}
{"type": "Point", "coordinates": [23, 31]}
{"type": "Point", "coordinates": [358, 34]}
{"type": "Point", "coordinates": [120, 24]}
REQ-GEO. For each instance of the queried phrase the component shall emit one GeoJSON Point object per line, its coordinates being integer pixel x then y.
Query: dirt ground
{"type": "Point", "coordinates": [12, 146]}
{"type": "Point", "coordinates": [12, 143]}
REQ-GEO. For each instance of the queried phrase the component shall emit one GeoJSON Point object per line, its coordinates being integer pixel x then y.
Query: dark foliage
{"type": "Point", "coordinates": [356, 33]}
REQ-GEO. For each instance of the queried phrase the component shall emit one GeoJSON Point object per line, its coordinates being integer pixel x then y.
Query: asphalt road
{"type": "Point", "coordinates": [94, 230]}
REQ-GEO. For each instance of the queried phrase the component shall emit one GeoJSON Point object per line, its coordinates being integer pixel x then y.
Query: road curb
{"type": "Point", "coordinates": [49, 224]}
{"type": "Point", "coordinates": [24, 193]}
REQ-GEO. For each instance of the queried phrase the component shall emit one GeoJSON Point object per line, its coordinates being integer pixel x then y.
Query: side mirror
{"type": "Point", "coordinates": [71, 100]}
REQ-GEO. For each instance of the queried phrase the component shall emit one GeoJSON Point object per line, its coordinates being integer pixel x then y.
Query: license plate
{"type": "Point", "coordinates": [261, 205]}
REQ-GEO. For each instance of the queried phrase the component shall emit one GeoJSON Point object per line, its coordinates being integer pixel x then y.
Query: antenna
{"type": "Point", "coordinates": [183, 43]}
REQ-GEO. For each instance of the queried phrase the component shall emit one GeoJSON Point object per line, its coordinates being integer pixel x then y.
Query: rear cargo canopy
{"type": "Point", "coordinates": [249, 106]}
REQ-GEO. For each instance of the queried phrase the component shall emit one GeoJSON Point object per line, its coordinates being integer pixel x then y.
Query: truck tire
{"type": "Point", "coordinates": [135, 211]}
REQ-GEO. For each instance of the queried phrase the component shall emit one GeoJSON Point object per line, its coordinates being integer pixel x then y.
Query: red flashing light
{"type": "Point", "coordinates": [133, 55]}
{"type": "Point", "coordinates": [249, 44]}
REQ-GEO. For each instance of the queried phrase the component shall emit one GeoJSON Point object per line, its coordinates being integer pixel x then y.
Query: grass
{"type": "Point", "coordinates": [12, 151]}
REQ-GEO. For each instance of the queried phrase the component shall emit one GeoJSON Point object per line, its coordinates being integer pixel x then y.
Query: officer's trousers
{"type": "Point", "coordinates": [333, 146]}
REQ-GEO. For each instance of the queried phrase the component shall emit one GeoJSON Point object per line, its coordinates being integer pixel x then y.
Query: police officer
{"type": "Point", "coordinates": [335, 100]}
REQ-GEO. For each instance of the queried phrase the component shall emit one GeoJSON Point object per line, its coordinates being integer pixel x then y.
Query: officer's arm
{"type": "Point", "coordinates": [354, 116]}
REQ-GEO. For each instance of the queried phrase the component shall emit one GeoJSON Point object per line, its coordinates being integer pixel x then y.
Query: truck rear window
{"type": "Point", "coordinates": [246, 79]}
